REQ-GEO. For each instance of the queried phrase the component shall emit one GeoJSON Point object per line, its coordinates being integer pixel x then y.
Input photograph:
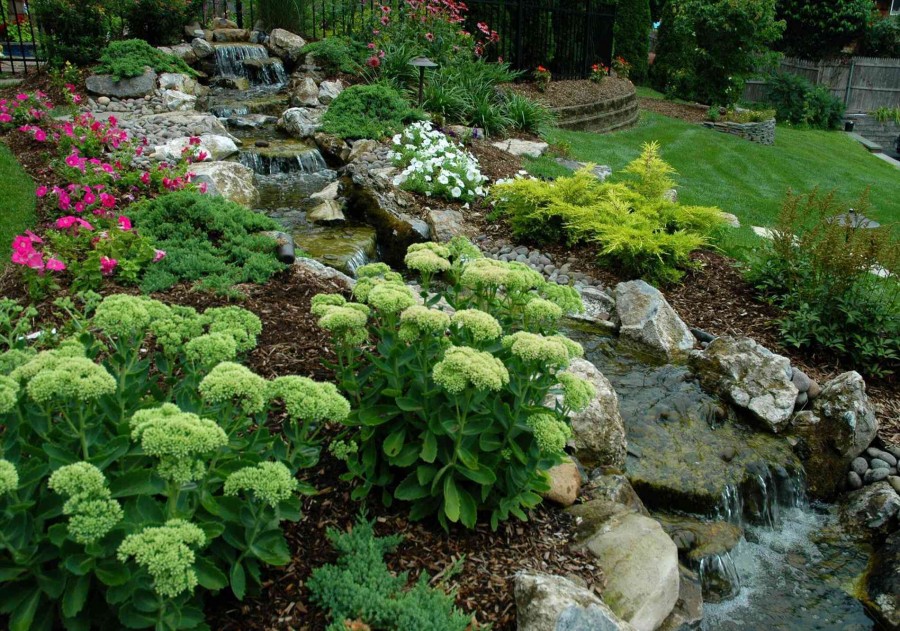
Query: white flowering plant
{"type": "Point", "coordinates": [435, 166]}
{"type": "Point", "coordinates": [137, 470]}
{"type": "Point", "coordinates": [450, 390]}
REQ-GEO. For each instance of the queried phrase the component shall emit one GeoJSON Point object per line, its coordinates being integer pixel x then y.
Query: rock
{"type": "Point", "coordinates": [131, 88]}
{"type": "Point", "coordinates": [688, 612]}
{"type": "Point", "coordinates": [233, 83]}
{"type": "Point", "coordinates": [330, 192]}
{"type": "Point", "coordinates": [202, 48]}
{"type": "Point", "coordinates": [814, 389]}
{"type": "Point", "coordinates": [177, 101]}
{"type": "Point", "coordinates": [301, 122]}
{"type": "Point", "coordinates": [731, 220]}
{"type": "Point", "coordinates": [192, 123]}
{"type": "Point", "coordinates": [215, 147]}
{"type": "Point", "coordinates": [521, 148]}
{"type": "Point", "coordinates": [324, 272]}
{"type": "Point", "coordinates": [640, 562]}
{"type": "Point", "coordinates": [231, 35]}
{"type": "Point", "coordinates": [545, 602]}
{"type": "Point", "coordinates": [859, 465]}
{"type": "Point", "coordinates": [329, 90]}
{"type": "Point", "coordinates": [334, 150]}
{"type": "Point", "coordinates": [872, 508]}
{"type": "Point", "coordinates": [800, 380]}
{"type": "Point", "coordinates": [565, 483]}
{"type": "Point", "coordinates": [178, 81]}
{"type": "Point", "coordinates": [884, 582]}
{"type": "Point", "coordinates": [193, 27]}
{"type": "Point", "coordinates": [894, 481]}
{"type": "Point", "coordinates": [305, 93]}
{"type": "Point", "coordinates": [103, 100]}
{"type": "Point", "coordinates": [328, 211]}
{"type": "Point", "coordinates": [444, 224]}
{"type": "Point", "coordinates": [854, 481]}
{"type": "Point", "coordinates": [231, 180]}
{"type": "Point", "coordinates": [361, 148]}
{"type": "Point", "coordinates": [184, 51]}
{"type": "Point", "coordinates": [878, 463]}
{"type": "Point", "coordinates": [643, 315]}
{"type": "Point", "coordinates": [220, 23]}
{"type": "Point", "coordinates": [251, 121]}
{"type": "Point", "coordinates": [876, 475]}
{"type": "Point", "coordinates": [614, 488]}
{"type": "Point", "coordinates": [598, 305]}
{"type": "Point", "coordinates": [598, 433]}
{"type": "Point", "coordinates": [802, 400]}
{"type": "Point", "coordinates": [885, 456]}
{"type": "Point", "coordinates": [671, 195]}
{"type": "Point", "coordinates": [285, 44]}
{"type": "Point", "coordinates": [750, 376]}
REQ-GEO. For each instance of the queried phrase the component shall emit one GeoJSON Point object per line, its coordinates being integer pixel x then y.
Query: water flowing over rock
{"type": "Point", "coordinates": [215, 147]}
{"type": "Point", "coordinates": [283, 156]}
{"type": "Point", "coordinates": [644, 315]}
{"type": "Point", "coordinates": [884, 582]}
{"type": "Point", "coordinates": [873, 508]}
{"type": "Point", "coordinates": [301, 122]}
{"type": "Point", "coordinates": [545, 602]}
{"type": "Point", "coordinates": [129, 88]}
{"type": "Point", "coordinates": [232, 60]}
{"type": "Point", "coordinates": [231, 180]}
{"type": "Point", "coordinates": [285, 44]}
{"type": "Point", "coordinates": [345, 248]}
{"type": "Point", "coordinates": [751, 377]}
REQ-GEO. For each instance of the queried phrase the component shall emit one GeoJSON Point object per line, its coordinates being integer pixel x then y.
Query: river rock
{"type": "Point", "coordinates": [361, 148]}
{"type": "Point", "coordinates": [323, 272]}
{"type": "Point", "coordinates": [640, 562]}
{"type": "Point", "coordinates": [231, 35]}
{"type": "Point", "coordinates": [202, 48]}
{"type": "Point", "coordinates": [751, 377]}
{"type": "Point", "coordinates": [329, 90]}
{"type": "Point", "coordinates": [327, 212]}
{"type": "Point", "coordinates": [177, 101]}
{"type": "Point", "coordinates": [521, 148]}
{"type": "Point", "coordinates": [445, 223]}
{"type": "Point", "coordinates": [301, 122]}
{"type": "Point", "coordinates": [800, 380]}
{"type": "Point", "coordinates": [305, 93]}
{"type": "Point", "coordinates": [643, 314]}
{"type": "Point", "coordinates": [884, 582]}
{"type": "Point", "coordinates": [598, 433]}
{"type": "Point", "coordinates": [859, 465]}
{"type": "Point", "coordinates": [598, 306]}
{"type": "Point", "coordinates": [215, 147]}
{"type": "Point", "coordinates": [873, 508]}
{"type": "Point", "coordinates": [231, 180]}
{"type": "Point", "coordinates": [894, 481]}
{"type": "Point", "coordinates": [886, 457]}
{"type": "Point", "coordinates": [545, 602]}
{"type": "Point", "coordinates": [130, 88]}
{"type": "Point", "coordinates": [565, 483]}
{"type": "Point", "coordinates": [189, 123]}
{"type": "Point", "coordinates": [688, 612]}
{"type": "Point", "coordinates": [854, 481]}
{"type": "Point", "coordinates": [285, 44]}
{"type": "Point", "coordinates": [329, 192]}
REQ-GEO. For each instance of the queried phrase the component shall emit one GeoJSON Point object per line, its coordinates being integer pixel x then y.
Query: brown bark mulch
{"type": "Point", "coordinates": [688, 112]}
{"type": "Point", "coordinates": [574, 92]}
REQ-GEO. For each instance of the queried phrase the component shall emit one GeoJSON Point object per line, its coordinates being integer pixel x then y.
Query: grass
{"type": "Point", "coordinates": [740, 177]}
{"type": "Point", "coordinates": [17, 193]}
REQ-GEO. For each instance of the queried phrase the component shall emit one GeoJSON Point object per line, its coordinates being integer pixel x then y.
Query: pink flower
{"type": "Point", "coordinates": [89, 198]}
{"type": "Point", "coordinates": [429, 37]}
{"type": "Point", "coordinates": [145, 177]}
{"type": "Point", "coordinates": [21, 96]}
{"type": "Point", "coordinates": [41, 191]}
{"type": "Point", "coordinates": [69, 221]}
{"type": "Point", "coordinates": [32, 259]}
{"type": "Point", "coordinates": [73, 160]}
{"type": "Point", "coordinates": [33, 237]}
{"type": "Point", "coordinates": [371, 45]}
{"type": "Point", "coordinates": [22, 244]}
{"type": "Point", "coordinates": [203, 187]}
{"type": "Point", "coordinates": [107, 265]}
{"type": "Point", "coordinates": [202, 156]}
{"type": "Point", "coordinates": [194, 140]}
{"type": "Point", "coordinates": [107, 200]}
{"type": "Point", "coordinates": [5, 118]}
{"type": "Point", "coordinates": [55, 265]}
{"type": "Point", "coordinates": [40, 135]}
{"type": "Point", "coordinates": [124, 223]}
{"type": "Point", "coordinates": [159, 255]}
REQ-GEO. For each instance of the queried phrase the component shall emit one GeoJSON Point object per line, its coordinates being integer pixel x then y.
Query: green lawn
{"type": "Point", "coordinates": [741, 177]}
{"type": "Point", "coordinates": [17, 195]}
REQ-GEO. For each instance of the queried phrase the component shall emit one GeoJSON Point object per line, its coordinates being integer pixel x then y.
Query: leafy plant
{"type": "Point", "coordinates": [367, 111]}
{"type": "Point", "coordinates": [733, 115]}
{"type": "Point", "coordinates": [159, 22]}
{"type": "Point", "coordinates": [542, 78]}
{"type": "Point", "coordinates": [128, 58]}
{"type": "Point", "coordinates": [527, 115]}
{"type": "Point", "coordinates": [815, 31]}
{"type": "Point", "coordinates": [75, 30]}
{"type": "Point", "coordinates": [449, 411]}
{"type": "Point", "coordinates": [337, 54]}
{"type": "Point", "coordinates": [798, 102]}
{"type": "Point", "coordinates": [886, 115]}
{"type": "Point", "coordinates": [360, 589]}
{"type": "Point", "coordinates": [24, 109]}
{"type": "Point", "coordinates": [631, 37]}
{"type": "Point", "coordinates": [882, 37]}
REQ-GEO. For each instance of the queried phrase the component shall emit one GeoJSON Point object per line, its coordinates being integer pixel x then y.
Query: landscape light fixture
{"type": "Point", "coordinates": [421, 63]}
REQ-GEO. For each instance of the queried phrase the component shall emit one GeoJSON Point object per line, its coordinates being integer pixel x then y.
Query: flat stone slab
{"type": "Point", "coordinates": [521, 148]}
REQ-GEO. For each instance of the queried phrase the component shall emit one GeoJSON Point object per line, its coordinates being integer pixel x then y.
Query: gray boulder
{"type": "Point", "coordinates": [305, 93]}
{"type": "Point", "coordinates": [231, 180]}
{"type": "Point", "coordinates": [517, 147]}
{"type": "Point", "coordinates": [644, 315]}
{"type": "Point", "coordinates": [130, 88]}
{"type": "Point", "coordinates": [884, 582]}
{"type": "Point", "coordinates": [872, 509]}
{"type": "Point", "coordinates": [285, 44]}
{"type": "Point", "coordinates": [301, 122]}
{"type": "Point", "coordinates": [178, 101]}
{"type": "Point", "coordinates": [598, 306]}
{"type": "Point", "coordinates": [361, 148]}
{"type": "Point", "coordinates": [231, 35]}
{"type": "Point", "coordinates": [545, 602]}
{"type": "Point", "coordinates": [444, 223]}
{"type": "Point", "coordinates": [751, 377]}
{"type": "Point", "coordinates": [202, 48]}
{"type": "Point", "coordinates": [329, 91]}
{"type": "Point", "coordinates": [323, 272]}
{"type": "Point", "coordinates": [327, 212]}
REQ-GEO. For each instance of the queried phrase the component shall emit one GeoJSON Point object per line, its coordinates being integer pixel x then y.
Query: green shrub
{"type": "Point", "coordinates": [631, 39]}
{"type": "Point", "coordinates": [360, 588]}
{"type": "Point", "coordinates": [367, 111]}
{"type": "Point", "coordinates": [449, 411]}
{"type": "Point", "coordinates": [886, 115]}
{"type": "Point", "coordinates": [160, 22]}
{"type": "Point", "coordinates": [820, 273]}
{"type": "Point", "coordinates": [122, 503]}
{"type": "Point", "coordinates": [206, 239]}
{"type": "Point", "coordinates": [128, 58]}
{"type": "Point", "coordinates": [741, 116]}
{"type": "Point", "coordinates": [707, 49]}
{"type": "Point", "coordinates": [631, 223]}
{"type": "Point", "coordinates": [75, 30]}
{"type": "Point", "coordinates": [527, 115]}
{"type": "Point", "coordinates": [817, 30]}
{"type": "Point", "coordinates": [882, 37]}
{"type": "Point", "coordinates": [337, 54]}
{"type": "Point", "coordinates": [798, 102]}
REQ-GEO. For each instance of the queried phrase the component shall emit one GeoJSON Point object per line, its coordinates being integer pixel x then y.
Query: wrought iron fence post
{"type": "Point", "coordinates": [520, 26]}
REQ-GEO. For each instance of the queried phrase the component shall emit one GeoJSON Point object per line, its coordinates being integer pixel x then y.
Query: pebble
{"type": "Point", "coordinates": [894, 450]}
{"type": "Point", "coordinates": [878, 463]}
{"type": "Point", "coordinates": [894, 482]}
{"type": "Point", "coordinates": [802, 399]}
{"type": "Point", "coordinates": [859, 465]}
{"type": "Point", "coordinates": [854, 481]}
{"type": "Point", "coordinates": [103, 100]}
{"type": "Point", "coordinates": [728, 453]}
{"type": "Point", "coordinates": [801, 380]}
{"type": "Point", "coordinates": [882, 455]}
{"type": "Point", "coordinates": [876, 475]}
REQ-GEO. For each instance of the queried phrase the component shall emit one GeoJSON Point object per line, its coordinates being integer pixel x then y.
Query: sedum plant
{"type": "Point", "coordinates": [449, 410]}
{"type": "Point", "coordinates": [138, 471]}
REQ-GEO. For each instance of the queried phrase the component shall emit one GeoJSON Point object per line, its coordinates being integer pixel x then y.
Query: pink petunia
{"type": "Point", "coordinates": [203, 187]}
{"type": "Point", "coordinates": [33, 237]}
{"type": "Point", "coordinates": [55, 265]}
{"type": "Point", "coordinates": [5, 118]}
{"type": "Point", "coordinates": [159, 255]}
{"type": "Point", "coordinates": [107, 265]}
{"type": "Point", "coordinates": [124, 223]}
{"type": "Point", "coordinates": [21, 96]}
{"type": "Point", "coordinates": [107, 200]}
{"type": "Point", "coordinates": [40, 191]}
{"type": "Point", "coordinates": [22, 244]}
{"type": "Point", "coordinates": [40, 135]}
{"type": "Point", "coordinates": [145, 178]}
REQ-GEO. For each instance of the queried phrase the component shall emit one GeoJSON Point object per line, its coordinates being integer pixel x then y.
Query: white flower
{"type": "Point", "coordinates": [455, 191]}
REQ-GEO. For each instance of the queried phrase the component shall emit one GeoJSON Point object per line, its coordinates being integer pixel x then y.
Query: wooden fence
{"type": "Point", "coordinates": [861, 83]}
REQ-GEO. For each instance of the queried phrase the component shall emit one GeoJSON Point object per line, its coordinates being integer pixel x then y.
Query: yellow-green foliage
{"type": "Point", "coordinates": [631, 222]}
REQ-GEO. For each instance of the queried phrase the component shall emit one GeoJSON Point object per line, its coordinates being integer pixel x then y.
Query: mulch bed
{"type": "Point", "coordinates": [574, 92]}
{"type": "Point", "coordinates": [691, 113]}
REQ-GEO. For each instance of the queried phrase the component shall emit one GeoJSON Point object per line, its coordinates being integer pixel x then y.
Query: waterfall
{"type": "Point", "coordinates": [306, 161]}
{"type": "Point", "coordinates": [251, 61]}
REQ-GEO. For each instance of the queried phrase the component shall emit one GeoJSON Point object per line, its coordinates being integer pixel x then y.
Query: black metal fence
{"type": "Point", "coordinates": [241, 12]}
{"type": "Point", "coordinates": [19, 37]}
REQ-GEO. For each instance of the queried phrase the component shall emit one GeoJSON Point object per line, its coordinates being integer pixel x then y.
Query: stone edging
{"type": "Point", "coordinates": [600, 116]}
{"type": "Point", "coordinates": [762, 132]}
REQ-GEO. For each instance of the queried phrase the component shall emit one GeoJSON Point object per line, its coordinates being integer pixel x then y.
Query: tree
{"type": "Point", "coordinates": [817, 30]}
{"type": "Point", "coordinates": [632, 36]}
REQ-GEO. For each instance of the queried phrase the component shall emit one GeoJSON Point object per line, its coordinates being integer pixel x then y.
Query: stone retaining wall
{"type": "Point", "coordinates": [763, 132]}
{"type": "Point", "coordinates": [600, 116]}
{"type": "Point", "coordinates": [886, 134]}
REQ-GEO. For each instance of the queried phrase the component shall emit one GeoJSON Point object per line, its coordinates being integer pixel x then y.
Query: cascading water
{"type": "Point", "coordinates": [250, 61]}
{"type": "Point", "coordinates": [307, 161]}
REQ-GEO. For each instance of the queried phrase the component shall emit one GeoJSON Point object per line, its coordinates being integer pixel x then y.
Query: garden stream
{"type": "Point", "coordinates": [787, 563]}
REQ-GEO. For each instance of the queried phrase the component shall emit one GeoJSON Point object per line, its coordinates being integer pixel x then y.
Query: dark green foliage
{"type": "Point", "coordinates": [128, 58]}
{"type": "Point", "coordinates": [882, 37]}
{"type": "Point", "coordinates": [707, 48]}
{"type": "Point", "coordinates": [798, 102]}
{"type": "Point", "coordinates": [160, 22]}
{"type": "Point", "coordinates": [818, 30]}
{"type": "Point", "coordinates": [360, 587]}
{"type": "Point", "coordinates": [206, 239]}
{"type": "Point", "coordinates": [368, 111]}
{"type": "Point", "coordinates": [74, 31]}
{"type": "Point", "coordinates": [527, 115]}
{"type": "Point", "coordinates": [337, 54]}
{"type": "Point", "coordinates": [632, 36]}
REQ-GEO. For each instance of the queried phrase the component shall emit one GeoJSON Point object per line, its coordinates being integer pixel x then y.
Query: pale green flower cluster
{"type": "Point", "coordinates": [309, 400]}
{"type": "Point", "coordinates": [419, 321]}
{"type": "Point", "coordinates": [462, 367]}
{"type": "Point", "coordinates": [270, 482]}
{"type": "Point", "coordinates": [9, 477]}
{"type": "Point", "coordinates": [233, 382]}
{"type": "Point", "coordinates": [320, 303]}
{"type": "Point", "coordinates": [180, 325]}
{"type": "Point", "coordinates": [177, 438]}
{"type": "Point", "coordinates": [121, 315]}
{"type": "Point", "coordinates": [71, 378]}
{"type": "Point", "coordinates": [92, 511]}
{"type": "Point", "coordinates": [9, 394]}
{"type": "Point", "coordinates": [577, 392]}
{"type": "Point", "coordinates": [13, 358]}
{"type": "Point", "coordinates": [46, 360]}
{"type": "Point", "coordinates": [482, 326]}
{"type": "Point", "coordinates": [555, 351]}
{"type": "Point", "coordinates": [541, 310]}
{"type": "Point", "coordinates": [484, 272]}
{"type": "Point", "coordinates": [244, 326]}
{"type": "Point", "coordinates": [550, 433]}
{"type": "Point", "coordinates": [427, 258]}
{"type": "Point", "coordinates": [389, 298]}
{"type": "Point", "coordinates": [346, 321]}
{"type": "Point", "coordinates": [523, 278]}
{"type": "Point", "coordinates": [167, 553]}
{"type": "Point", "coordinates": [211, 349]}
{"type": "Point", "coordinates": [565, 297]}
{"type": "Point", "coordinates": [372, 270]}
{"type": "Point", "coordinates": [342, 450]}
{"type": "Point", "coordinates": [463, 249]}
{"type": "Point", "coordinates": [368, 277]}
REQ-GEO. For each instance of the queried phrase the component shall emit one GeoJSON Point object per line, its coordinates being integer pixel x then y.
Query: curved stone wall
{"type": "Point", "coordinates": [600, 116]}
{"type": "Point", "coordinates": [762, 132]}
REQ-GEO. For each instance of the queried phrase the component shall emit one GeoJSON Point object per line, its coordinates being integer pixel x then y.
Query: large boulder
{"type": "Point", "coordinates": [872, 509]}
{"type": "Point", "coordinates": [323, 272]}
{"type": "Point", "coordinates": [638, 558]}
{"type": "Point", "coordinates": [643, 314]}
{"type": "Point", "coordinates": [751, 377]}
{"type": "Point", "coordinates": [444, 223]}
{"type": "Point", "coordinates": [838, 428]}
{"type": "Point", "coordinates": [178, 101]}
{"type": "Point", "coordinates": [130, 88]}
{"type": "Point", "coordinates": [231, 180]}
{"type": "Point", "coordinates": [884, 582]}
{"type": "Point", "coordinates": [334, 149]}
{"type": "Point", "coordinates": [520, 148]}
{"type": "Point", "coordinates": [215, 147]}
{"type": "Point", "coordinates": [545, 602]}
{"type": "Point", "coordinates": [285, 44]}
{"type": "Point", "coordinates": [362, 147]}
{"type": "Point", "coordinates": [329, 91]}
{"type": "Point", "coordinates": [181, 82]}
{"type": "Point", "coordinates": [231, 35]}
{"type": "Point", "coordinates": [301, 122]}
{"type": "Point", "coordinates": [202, 48]}
{"type": "Point", "coordinates": [598, 433]}
{"type": "Point", "coordinates": [305, 93]}
{"type": "Point", "coordinates": [598, 306]}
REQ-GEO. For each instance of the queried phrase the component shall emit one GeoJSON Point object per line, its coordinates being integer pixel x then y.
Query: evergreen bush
{"type": "Point", "coordinates": [631, 39]}
{"type": "Point", "coordinates": [368, 111]}
{"type": "Point", "coordinates": [128, 58]}
{"type": "Point", "coordinates": [819, 30]}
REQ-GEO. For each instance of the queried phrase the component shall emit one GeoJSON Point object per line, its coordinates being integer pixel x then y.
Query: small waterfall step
{"type": "Point", "coordinates": [249, 61]}
{"type": "Point", "coordinates": [345, 248]}
{"type": "Point", "coordinates": [282, 156]}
